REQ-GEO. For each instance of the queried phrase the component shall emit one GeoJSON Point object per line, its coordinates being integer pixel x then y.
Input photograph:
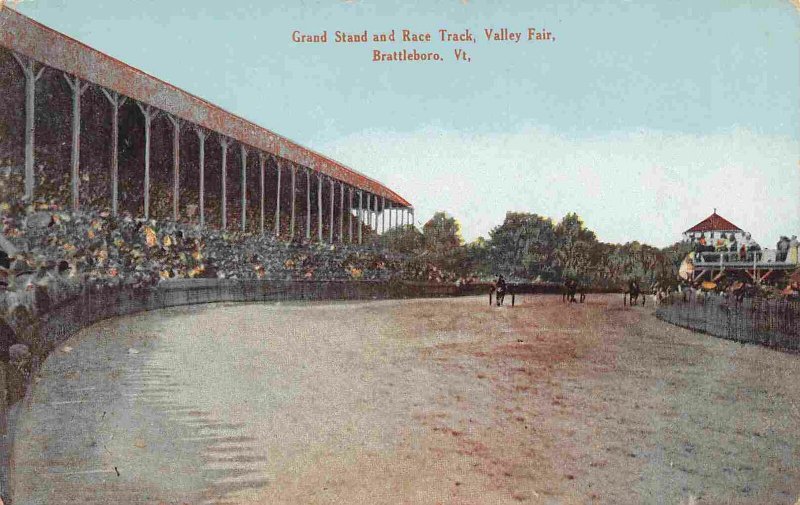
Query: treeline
{"type": "Point", "coordinates": [533, 248]}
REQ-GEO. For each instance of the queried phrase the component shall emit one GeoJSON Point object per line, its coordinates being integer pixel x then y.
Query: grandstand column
{"type": "Point", "coordinates": [294, 198]}
{"type": "Point", "coordinates": [390, 215]}
{"type": "Point", "coordinates": [375, 216]}
{"type": "Point", "coordinates": [244, 186]}
{"type": "Point", "coordinates": [373, 213]}
{"type": "Point", "coordinates": [367, 214]}
{"type": "Point", "coordinates": [411, 215]}
{"type": "Point", "coordinates": [308, 204]}
{"type": "Point", "coordinates": [149, 113]}
{"type": "Point", "coordinates": [116, 102]}
{"type": "Point", "coordinates": [31, 77]}
{"type": "Point", "coordinates": [278, 201]}
{"type": "Point", "coordinates": [319, 207]}
{"type": "Point", "coordinates": [201, 139]}
{"type": "Point", "coordinates": [341, 212]}
{"type": "Point", "coordinates": [261, 161]}
{"type": "Point", "coordinates": [333, 195]}
{"type": "Point", "coordinates": [383, 215]}
{"type": "Point", "coordinates": [78, 89]}
{"type": "Point", "coordinates": [224, 142]}
{"type": "Point", "coordinates": [350, 214]}
{"type": "Point", "coordinates": [176, 163]}
{"type": "Point", "coordinates": [360, 219]}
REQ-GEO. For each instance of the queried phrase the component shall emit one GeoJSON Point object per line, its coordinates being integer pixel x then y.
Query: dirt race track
{"type": "Point", "coordinates": [422, 401]}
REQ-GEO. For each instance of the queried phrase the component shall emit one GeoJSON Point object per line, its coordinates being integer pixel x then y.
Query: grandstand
{"type": "Point", "coordinates": [81, 130]}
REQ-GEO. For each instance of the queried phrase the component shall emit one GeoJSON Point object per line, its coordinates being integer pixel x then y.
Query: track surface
{"type": "Point", "coordinates": [423, 401]}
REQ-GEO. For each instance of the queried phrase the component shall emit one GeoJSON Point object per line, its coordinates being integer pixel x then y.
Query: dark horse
{"type": "Point", "coordinates": [570, 289]}
{"type": "Point", "coordinates": [499, 289]}
{"type": "Point", "coordinates": [632, 294]}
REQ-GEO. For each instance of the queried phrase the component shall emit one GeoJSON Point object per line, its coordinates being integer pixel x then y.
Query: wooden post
{"type": "Point", "coordinates": [350, 214]}
{"type": "Point", "coordinates": [341, 212]}
{"type": "Point", "coordinates": [294, 198]}
{"type": "Point", "coordinates": [224, 142]}
{"type": "Point", "coordinates": [244, 186]}
{"type": "Point", "coordinates": [116, 102]}
{"type": "Point", "coordinates": [149, 113]}
{"type": "Point", "coordinates": [383, 215]}
{"type": "Point", "coordinates": [333, 195]}
{"type": "Point", "coordinates": [261, 162]}
{"type": "Point", "coordinates": [360, 215]}
{"type": "Point", "coordinates": [278, 201]}
{"type": "Point", "coordinates": [319, 207]}
{"type": "Point", "coordinates": [176, 166]}
{"type": "Point", "coordinates": [308, 205]}
{"type": "Point", "coordinates": [78, 89]}
{"type": "Point", "coordinates": [32, 76]}
{"type": "Point", "coordinates": [201, 139]}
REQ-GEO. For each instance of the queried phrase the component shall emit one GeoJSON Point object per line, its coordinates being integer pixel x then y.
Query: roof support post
{"type": "Point", "coordinates": [261, 162]}
{"type": "Point", "coordinates": [149, 113]}
{"type": "Point", "coordinates": [341, 212]}
{"type": "Point", "coordinates": [319, 207]}
{"type": "Point", "coordinates": [32, 75]}
{"type": "Point", "coordinates": [308, 205]}
{"type": "Point", "coordinates": [278, 201]}
{"type": "Point", "coordinates": [350, 213]}
{"type": "Point", "coordinates": [383, 215]}
{"type": "Point", "coordinates": [176, 166]}
{"type": "Point", "coordinates": [201, 139]}
{"type": "Point", "coordinates": [360, 216]}
{"type": "Point", "coordinates": [333, 195]}
{"type": "Point", "coordinates": [243, 150]}
{"type": "Point", "coordinates": [224, 142]}
{"type": "Point", "coordinates": [78, 89]}
{"type": "Point", "coordinates": [294, 199]}
{"type": "Point", "coordinates": [116, 102]}
{"type": "Point", "coordinates": [369, 210]}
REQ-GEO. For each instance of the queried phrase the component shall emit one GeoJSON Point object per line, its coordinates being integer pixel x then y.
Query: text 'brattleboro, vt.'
{"type": "Point", "coordinates": [424, 46]}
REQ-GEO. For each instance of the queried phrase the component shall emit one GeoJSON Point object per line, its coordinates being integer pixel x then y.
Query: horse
{"type": "Point", "coordinates": [631, 295]}
{"type": "Point", "coordinates": [570, 289]}
{"type": "Point", "coordinates": [500, 293]}
{"type": "Point", "coordinates": [499, 290]}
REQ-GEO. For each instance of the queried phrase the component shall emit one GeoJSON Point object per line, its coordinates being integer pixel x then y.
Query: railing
{"type": "Point", "coordinates": [711, 257]}
{"type": "Point", "coordinates": [770, 322]}
{"type": "Point", "coordinates": [752, 258]}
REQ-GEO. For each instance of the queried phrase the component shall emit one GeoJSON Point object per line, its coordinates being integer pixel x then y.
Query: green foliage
{"type": "Point", "coordinates": [404, 239]}
{"type": "Point", "coordinates": [529, 247]}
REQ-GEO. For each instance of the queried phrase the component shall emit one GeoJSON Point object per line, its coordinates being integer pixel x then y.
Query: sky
{"type": "Point", "coordinates": [642, 117]}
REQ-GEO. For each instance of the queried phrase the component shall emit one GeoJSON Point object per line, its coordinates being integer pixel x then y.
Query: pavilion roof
{"type": "Point", "coordinates": [714, 222]}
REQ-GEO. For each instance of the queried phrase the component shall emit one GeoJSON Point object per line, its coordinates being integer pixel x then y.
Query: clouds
{"type": "Point", "coordinates": [646, 185]}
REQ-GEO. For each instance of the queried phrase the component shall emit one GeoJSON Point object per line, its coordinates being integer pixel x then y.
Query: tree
{"type": "Point", "coordinates": [574, 246]}
{"type": "Point", "coordinates": [523, 246]}
{"type": "Point", "coordinates": [442, 233]}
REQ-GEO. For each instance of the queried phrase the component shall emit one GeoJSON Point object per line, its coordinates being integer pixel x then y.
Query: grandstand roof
{"type": "Point", "coordinates": [54, 49]}
{"type": "Point", "coordinates": [714, 222]}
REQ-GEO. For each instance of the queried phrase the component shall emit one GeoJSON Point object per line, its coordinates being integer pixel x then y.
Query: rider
{"type": "Point", "coordinates": [501, 289]}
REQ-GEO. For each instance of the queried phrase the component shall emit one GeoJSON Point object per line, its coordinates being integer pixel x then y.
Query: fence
{"type": "Point", "coordinates": [770, 322]}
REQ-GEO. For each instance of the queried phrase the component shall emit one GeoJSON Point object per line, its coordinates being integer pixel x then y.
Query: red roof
{"type": "Point", "coordinates": [714, 222]}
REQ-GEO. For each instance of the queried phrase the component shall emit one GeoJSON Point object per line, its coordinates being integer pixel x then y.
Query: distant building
{"type": "Point", "coordinates": [712, 228]}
